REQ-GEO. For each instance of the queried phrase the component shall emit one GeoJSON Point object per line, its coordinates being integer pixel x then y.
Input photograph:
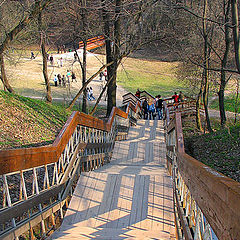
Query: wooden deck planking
{"type": "Point", "coordinates": [129, 198]}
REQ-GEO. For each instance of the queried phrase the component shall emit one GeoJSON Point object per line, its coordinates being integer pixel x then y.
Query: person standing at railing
{"type": "Point", "coordinates": [175, 98]}
{"type": "Point", "coordinates": [145, 107]}
{"type": "Point", "coordinates": [159, 106]}
{"type": "Point", "coordinates": [181, 98]}
{"type": "Point", "coordinates": [152, 110]}
{"type": "Point", "coordinates": [138, 92]}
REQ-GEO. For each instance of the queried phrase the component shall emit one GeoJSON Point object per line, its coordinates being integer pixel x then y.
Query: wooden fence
{"type": "Point", "coordinates": [207, 203]}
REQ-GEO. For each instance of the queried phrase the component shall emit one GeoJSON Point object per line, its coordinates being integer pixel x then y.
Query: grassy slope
{"type": "Point", "coordinates": [153, 76]}
{"type": "Point", "coordinates": [25, 121]}
{"type": "Point", "coordinates": [219, 150]}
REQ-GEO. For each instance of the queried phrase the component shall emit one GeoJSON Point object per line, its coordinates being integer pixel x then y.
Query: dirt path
{"type": "Point", "coordinates": [27, 78]}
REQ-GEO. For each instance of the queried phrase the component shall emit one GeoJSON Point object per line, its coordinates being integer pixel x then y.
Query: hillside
{"type": "Point", "coordinates": [219, 150]}
{"type": "Point", "coordinates": [28, 122]}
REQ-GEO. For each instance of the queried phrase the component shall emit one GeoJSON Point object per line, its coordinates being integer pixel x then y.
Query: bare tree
{"type": "Point", "coordinates": [29, 13]}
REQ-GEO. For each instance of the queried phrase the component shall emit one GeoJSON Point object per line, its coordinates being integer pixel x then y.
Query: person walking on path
{"type": "Point", "coordinates": [74, 77]}
{"type": "Point", "coordinates": [100, 76]}
{"type": "Point", "coordinates": [159, 106]}
{"type": "Point", "coordinates": [64, 81]}
{"type": "Point", "coordinates": [91, 94]}
{"type": "Point", "coordinates": [61, 62]}
{"type": "Point", "coordinates": [32, 55]}
{"type": "Point", "coordinates": [55, 80]}
{"type": "Point", "coordinates": [105, 75]}
{"type": "Point", "coordinates": [88, 94]}
{"type": "Point", "coordinates": [68, 76]}
{"type": "Point", "coordinates": [145, 107]}
{"type": "Point", "coordinates": [51, 60]}
{"type": "Point", "coordinates": [59, 79]}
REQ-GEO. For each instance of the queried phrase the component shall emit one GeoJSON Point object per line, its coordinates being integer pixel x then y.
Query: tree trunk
{"type": "Point", "coordinates": [100, 96]}
{"type": "Point", "coordinates": [23, 23]}
{"type": "Point", "coordinates": [84, 64]}
{"type": "Point", "coordinates": [4, 76]}
{"type": "Point", "coordinates": [44, 59]}
{"type": "Point", "coordinates": [198, 104]}
{"type": "Point", "coordinates": [221, 99]}
{"type": "Point", "coordinates": [206, 67]}
{"type": "Point", "coordinates": [236, 32]}
{"type": "Point", "coordinates": [84, 71]}
{"type": "Point", "coordinates": [223, 80]}
{"type": "Point", "coordinates": [236, 102]}
{"type": "Point", "coordinates": [85, 85]}
{"type": "Point", "coordinates": [109, 56]}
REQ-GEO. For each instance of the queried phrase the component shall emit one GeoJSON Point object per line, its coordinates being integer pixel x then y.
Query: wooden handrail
{"type": "Point", "coordinates": [217, 195]}
{"type": "Point", "coordinates": [24, 158]}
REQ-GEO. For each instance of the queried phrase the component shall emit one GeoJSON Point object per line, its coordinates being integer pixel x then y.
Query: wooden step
{"type": "Point", "coordinates": [74, 232]}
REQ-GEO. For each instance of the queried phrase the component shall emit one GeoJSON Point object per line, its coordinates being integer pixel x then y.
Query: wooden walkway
{"type": "Point", "coordinates": [129, 198]}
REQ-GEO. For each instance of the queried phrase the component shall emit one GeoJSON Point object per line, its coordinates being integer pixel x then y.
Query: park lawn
{"type": "Point", "coordinates": [153, 76]}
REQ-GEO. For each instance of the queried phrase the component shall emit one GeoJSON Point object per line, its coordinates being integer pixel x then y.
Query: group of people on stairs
{"type": "Point", "coordinates": [154, 108]}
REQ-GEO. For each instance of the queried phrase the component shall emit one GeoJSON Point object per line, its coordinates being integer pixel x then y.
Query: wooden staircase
{"type": "Point", "coordinates": [129, 198]}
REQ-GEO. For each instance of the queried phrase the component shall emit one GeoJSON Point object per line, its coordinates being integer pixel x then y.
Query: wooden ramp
{"type": "Point", "coordinates": [129, 198]}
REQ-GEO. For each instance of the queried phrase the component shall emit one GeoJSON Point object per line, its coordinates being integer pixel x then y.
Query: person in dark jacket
{"type": "Point", "coordinates": [145, 107]}
{"type": "Point", "coordinates": [159, 106]}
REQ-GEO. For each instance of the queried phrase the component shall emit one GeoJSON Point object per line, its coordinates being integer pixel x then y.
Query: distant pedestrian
{"type": "Point", "coordinates": [91, 94]}
{"type": "Point", "coordinates": [105, 75]}
{"type": "Point", "coordinates": [63, 81]}
{"type": "Point", "coordinates": [75, 56]}
{"type": "Point", "coordinates": [100, 76]}
{"type": "Point", "coordinates": [59, 79]}
{"type": "Point", "coordinates": [55, 80]}
{"type": "Point", "coordinates": [88, 94]}
{"type": "Point", "coordinates": [74, 77]}
{"type": "Point", "coordinates": [32, 55]}
{"type": "Point", "coordinates": [61, 62]}
{"type": "Point", "coordinates": [51, 60]}
{"type": "Point", "coordinates": [68, 75]}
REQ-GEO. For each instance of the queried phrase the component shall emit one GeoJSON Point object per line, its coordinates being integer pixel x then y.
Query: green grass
{"type": "Point", "coordinates": [229, 104]}
{"type": "Point", "coordinates": [153, 76]}
{"type": "Point", "coordinates": [27, 121]}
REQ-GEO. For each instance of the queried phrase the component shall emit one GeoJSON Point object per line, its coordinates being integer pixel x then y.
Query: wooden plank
{"type": "Point", "coordinates": [101, 219]}
{"type": "Point", "coordinates": [140, 202]}
{"type": "Point", "coordinates": [114, 211]}
{"type": "Point", "coordinates": [135, 201]}
{"type": "Point", "coordinates": [76, 199]}
{"type": "Point", "coordinates": [83, 206]}
{"type": "Point", "coordinates": [158, 214]}
{"type": "Point", "coordinates": [126, 202]}
{"type": "Point", "coordinates": [168, 225]}
{"type": "Point", "coordinates": [147, 223]}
